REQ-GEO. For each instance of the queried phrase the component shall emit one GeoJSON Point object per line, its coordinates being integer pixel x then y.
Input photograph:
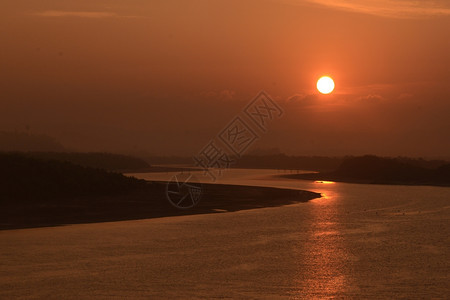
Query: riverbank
{"type": "Point", "coordinates": [142, 203]}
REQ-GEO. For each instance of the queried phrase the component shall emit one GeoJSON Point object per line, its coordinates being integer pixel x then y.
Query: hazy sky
{"type": "Point", "coordinates": [166, 76]}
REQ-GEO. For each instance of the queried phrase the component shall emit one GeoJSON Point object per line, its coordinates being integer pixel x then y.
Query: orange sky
{"type": "Point", "coordinates": [166, 76]}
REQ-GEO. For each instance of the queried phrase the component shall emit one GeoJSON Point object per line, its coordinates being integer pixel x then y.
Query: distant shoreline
{"type": "Point", "coordinates": [370, 169]}
{"type": "Point", "coordinates": [159, 169]}
{"type": "Point", "coordinates": [337, 178]}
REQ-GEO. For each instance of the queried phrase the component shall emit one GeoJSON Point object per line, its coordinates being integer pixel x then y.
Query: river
{"type": "Point", "coordinates": [357, 241]}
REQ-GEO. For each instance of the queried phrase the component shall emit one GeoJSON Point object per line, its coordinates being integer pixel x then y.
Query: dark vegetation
{"type": "Point", "coordinates": [43, 192]}
{"type": "Point", "coordinates": [27, 178]}
{"type": "Point", "coordinates": [283, 161]}
{"type": "Point", "coordinates": [101, 160]}
{"type": "Point", "coordinates": [379, 170]}
{"type": "Point", "coordinates": [105, 161]}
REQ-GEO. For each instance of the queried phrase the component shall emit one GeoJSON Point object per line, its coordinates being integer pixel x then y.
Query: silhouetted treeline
{"type": "Point", "coordinates": [36, 192]}
{"type": "Point", "coordinates": [282, 161]}
{"type": "Point", "coordinates": [421, 162]}
{"type": "Point", "coordinates": [106, 161]}
{"type": "Point", "coordinates": [392, 170]}
{"type": "Point", "coordinates": [166, 160]}
{"type": "Point", "coordinates": [443, 172]}
{"type": "Point", "coordinates": [320, 163]}
{"type": "Point", "coordinates": [29, 178]}
{"type": "Point", "coordinates": [383, 170]}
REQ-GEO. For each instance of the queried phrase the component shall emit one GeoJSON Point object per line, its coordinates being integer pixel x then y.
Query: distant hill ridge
{"type": "Point", "coordinates": [25, 141]}
{"type": "Point", "coordinates": [23, 177]}
{"type": "Point", "coordinates": [99, 160]}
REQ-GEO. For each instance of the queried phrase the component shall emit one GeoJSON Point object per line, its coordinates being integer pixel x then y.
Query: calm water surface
{"type": "Point", "coordinates": [357, 241]}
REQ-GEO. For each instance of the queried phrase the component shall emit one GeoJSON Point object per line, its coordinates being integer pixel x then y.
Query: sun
{"type": "Point", "coordinates": [325, 85]}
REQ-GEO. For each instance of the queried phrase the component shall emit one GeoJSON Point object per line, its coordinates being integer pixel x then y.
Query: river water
{"type": "Point", "coordinates": [357, 241]}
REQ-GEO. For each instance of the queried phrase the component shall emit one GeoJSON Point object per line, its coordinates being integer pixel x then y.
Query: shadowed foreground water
{"type": "Point", "coordinates": [357, 241]}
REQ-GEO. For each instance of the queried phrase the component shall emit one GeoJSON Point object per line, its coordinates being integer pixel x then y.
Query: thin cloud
{"type": "Point", "coordinates": [79, 14]}
{"type": "Point", "coordinates": [302, 100]}
{"type": "Point", "coordinates": [386, 8]}
{"type": "Point", "coordinates": [371, 98]}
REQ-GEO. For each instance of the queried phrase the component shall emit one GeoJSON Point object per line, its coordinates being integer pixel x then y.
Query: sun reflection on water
{"type": "Point", "coordinates": [324, 182]}
{"type": "Point", "coordinates": [322, 255]}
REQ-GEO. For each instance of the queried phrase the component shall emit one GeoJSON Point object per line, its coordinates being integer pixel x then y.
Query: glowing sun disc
{"type": "Point", "coordinates": [325, 85]}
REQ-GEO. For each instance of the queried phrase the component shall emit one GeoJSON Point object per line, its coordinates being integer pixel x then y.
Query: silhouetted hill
{"type": "Point", "coordinates": [29, 178]}
{"type": "Point", "coordinates": [106, 161]}
{"type": "Point", "coordinates": [379, 170]}
{"type": "Point", "coordinates": [443, 172]}
{"type": "Point", "coordinates": [166, 160]}
{"type": "Point", "coordinates": [36, 192]}
{"type": "Point", "coordinates": [23, 141]}
{"type": "Point", "coordinates": [283, 161]}
{"type": "Point", "coordinates": [421, 162]}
